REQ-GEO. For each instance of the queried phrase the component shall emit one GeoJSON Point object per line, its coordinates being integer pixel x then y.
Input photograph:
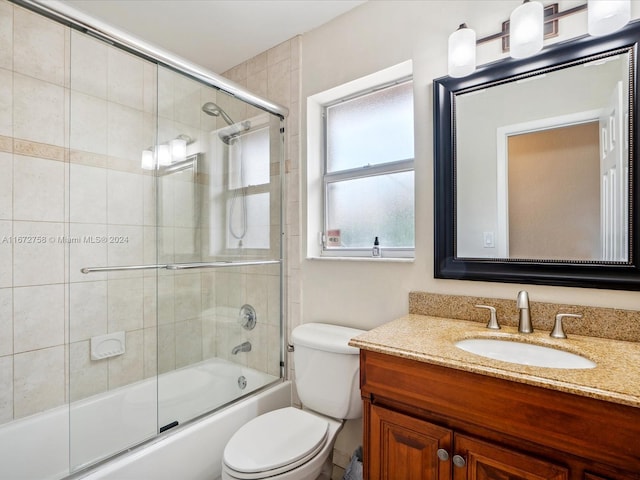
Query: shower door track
{"type": "Point", "coordinates": [179, 266]}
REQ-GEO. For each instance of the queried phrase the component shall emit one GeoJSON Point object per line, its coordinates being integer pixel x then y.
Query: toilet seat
{"type": "Point", "coordinates": [274, 443]}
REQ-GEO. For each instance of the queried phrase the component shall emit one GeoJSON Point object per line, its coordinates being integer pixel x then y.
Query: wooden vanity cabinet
{"type": "Point", "coordinates": [428, 422]}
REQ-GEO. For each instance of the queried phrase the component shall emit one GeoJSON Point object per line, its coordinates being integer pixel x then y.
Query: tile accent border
{"type": "Point", "coordinates": [615, 324]}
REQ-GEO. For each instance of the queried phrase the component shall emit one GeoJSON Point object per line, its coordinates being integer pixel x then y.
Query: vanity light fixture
{"type": "Point", "coordinates": [607, 16]}
{"type": "Point", "coordinates": [462, 52]}
{"type": "Point", "coordinates": [166, 154]}
{"type": "Point", "coordinates": [527, 27]}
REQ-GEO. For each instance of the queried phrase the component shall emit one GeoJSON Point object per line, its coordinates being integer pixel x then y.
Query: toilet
{"type": "Point", "coordinates": [297, 444]}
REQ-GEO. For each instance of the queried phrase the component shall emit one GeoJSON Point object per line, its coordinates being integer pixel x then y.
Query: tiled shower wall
{"type": "Point", "coordinates": [75, 115]}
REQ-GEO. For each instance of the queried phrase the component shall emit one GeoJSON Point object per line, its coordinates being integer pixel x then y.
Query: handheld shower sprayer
{"type": "Point", "coordinates": [214, 110]}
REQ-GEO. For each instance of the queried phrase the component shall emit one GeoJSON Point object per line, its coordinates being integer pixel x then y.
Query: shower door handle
{"type": "Point", "coordinates": [178, 266]}
{"type": "Point", "coordinates": [121, 268]}
{"type": "Point", "coordinates": [189, 266]}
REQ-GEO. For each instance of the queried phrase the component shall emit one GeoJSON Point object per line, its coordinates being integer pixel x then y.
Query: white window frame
{"type": "Point", "coordinates": [317, 177]}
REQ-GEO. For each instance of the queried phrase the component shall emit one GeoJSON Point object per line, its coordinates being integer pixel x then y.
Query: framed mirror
{"type": "Point", "coordinates": [535, 167]}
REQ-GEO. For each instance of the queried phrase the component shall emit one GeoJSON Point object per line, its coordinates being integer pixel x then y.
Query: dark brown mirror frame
{"type": "Point", "coordinates": [597, 274]}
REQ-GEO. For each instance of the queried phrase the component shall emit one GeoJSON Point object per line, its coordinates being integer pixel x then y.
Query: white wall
{"type": "Point", "coordinates": [369, 38]}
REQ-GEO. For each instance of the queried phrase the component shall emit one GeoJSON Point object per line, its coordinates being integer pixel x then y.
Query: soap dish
{"type": "Point", "coordinates": [106, 346]}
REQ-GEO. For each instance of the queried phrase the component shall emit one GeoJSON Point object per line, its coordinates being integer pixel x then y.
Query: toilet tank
{"type": "Point", "coordinates": [327, 369]}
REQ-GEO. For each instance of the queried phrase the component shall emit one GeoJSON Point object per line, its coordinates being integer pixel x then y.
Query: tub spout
{"type": "Point", "coordinates": [243, 347]}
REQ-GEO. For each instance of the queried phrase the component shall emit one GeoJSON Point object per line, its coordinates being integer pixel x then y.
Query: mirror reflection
{"type": "Point", "coordinates": [542, 165]}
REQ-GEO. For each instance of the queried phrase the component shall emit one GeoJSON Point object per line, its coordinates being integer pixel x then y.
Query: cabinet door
{"type": "Point", "coordinates": [405, 448]}
{"type": "Point", "coordinates": [484, 461]}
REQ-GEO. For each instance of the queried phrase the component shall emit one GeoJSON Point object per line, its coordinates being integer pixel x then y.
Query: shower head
{"type": "Point", "coordinates": [214, 110]}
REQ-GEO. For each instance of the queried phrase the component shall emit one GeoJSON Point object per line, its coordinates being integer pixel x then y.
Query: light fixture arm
{"type": "Point", "coordinates": [547, 19]}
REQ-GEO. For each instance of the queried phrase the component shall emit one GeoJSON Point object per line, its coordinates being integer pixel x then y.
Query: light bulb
{"type": "Point", "coordinates": [462, 52]}
{"type": "Point", "coordinates": [147, 160]}
{"type": "Point", "coordinates": [607, 16]}
{"type": "Point", "coordinates": [178, 149]}
{"type": "Point", "coordinates": [526, 30]}
{"type": "Point", "coordinates": [164, 155]}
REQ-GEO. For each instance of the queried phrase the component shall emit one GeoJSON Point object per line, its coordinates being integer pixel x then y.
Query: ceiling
{"type": "Point", "coordinates": [216, 34]}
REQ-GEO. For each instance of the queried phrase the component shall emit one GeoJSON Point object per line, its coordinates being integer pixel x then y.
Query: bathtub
{"type": "Point", "coordinates": [47, 445]}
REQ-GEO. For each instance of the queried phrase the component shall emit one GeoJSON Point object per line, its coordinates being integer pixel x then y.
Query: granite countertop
{"type": "Point", "coordinates": [616, 377]}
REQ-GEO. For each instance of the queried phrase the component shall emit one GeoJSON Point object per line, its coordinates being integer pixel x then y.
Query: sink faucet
{"type": "Point", "coordinates": [524, 320]}
{"type": "Point", "coordinates": [243, 347]}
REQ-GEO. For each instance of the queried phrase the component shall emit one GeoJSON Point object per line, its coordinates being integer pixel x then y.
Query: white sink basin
{"type": "Point", "coordinates": [524, 353]}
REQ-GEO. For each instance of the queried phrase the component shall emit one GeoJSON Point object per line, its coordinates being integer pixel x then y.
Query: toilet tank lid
{"type": "Point", "coordinates": [326, 337]}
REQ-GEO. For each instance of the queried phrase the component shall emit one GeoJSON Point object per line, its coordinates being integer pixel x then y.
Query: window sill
{"type": "Point", "coordinates": [366, 259]}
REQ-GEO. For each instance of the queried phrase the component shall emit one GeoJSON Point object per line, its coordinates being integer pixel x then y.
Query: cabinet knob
{"type": "Point", "coordinates": [443, 454]}
{"type": "Point", "coordinates": [459, 461]}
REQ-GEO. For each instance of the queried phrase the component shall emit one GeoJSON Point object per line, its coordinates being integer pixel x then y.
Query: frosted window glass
{"type": "Point", "coordinates": [384, 209]}
{"type": "Point", "coordinates": [252, 149]}
{"type": "Point", "coordinates": [371, 129]}
{"type": "Point", "coordinates": [258, 230]}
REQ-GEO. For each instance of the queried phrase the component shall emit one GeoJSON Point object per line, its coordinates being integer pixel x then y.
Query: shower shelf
{"type": "Point", "coordinates": [179, 266]}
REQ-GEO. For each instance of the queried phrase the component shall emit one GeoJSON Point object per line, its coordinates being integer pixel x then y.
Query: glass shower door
{"type": "Point", "coordinates": [112, 329]}
{"type": "Point", "coordinates": [219, 233]}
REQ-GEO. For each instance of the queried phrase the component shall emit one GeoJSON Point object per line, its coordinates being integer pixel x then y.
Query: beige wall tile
{"type": "Point", "coordinates": [166, 348]}
{"type": "Point", "coordinates": [88, 65]}
{"type": "Point", "coordinates": [150, 301]}
{"type": "Point", "coordinates": [125, 247]}
{"type": "Point", "coordinates": [166, 299]}
{"type": "Point", "coordinates": [187, 101]}
{"type": "Point", "coordinates": [280, 82]}
{"type": "Point", "coordinates": [6, 322]}
{"type": "Point", "coordinates": [38, 111]}
{"type": "Point", "coordinates": [126, 138]}
{"type": "Point", "coordinates": [125, 201]}
{"type": "Point", "coordinates": [125, 79]}
{"type": "Point", "coordinates": [39, 47]}
{"type": "Point", "coordinates": [6, 102]}
{"type": "Point", "coordinates": [150, 352]}
{"type": "Point", "coordinates": [6, 186]}
{"type": "Point", "coordinates": [87, 194]}
{"type": "Point", "coordinates": [86, 377]}
{"type": "Point", "coordinates": [38, 189]}
{"type": "Point", "coordinates": [38, 263]}
{"type": "Point", "coordinates": [39, 380]}
{"type": "Point", "coordinates": [125, 304]}
{"type": "Point", "coordinates": [188, 342]}
{"type": "Point", "coordinates": [87, 310]}
{"type": "Point", "coordinates": [6, 254]}
{"type": "Point", "coordinates": [188, 297]}
{"type": "Point", "coordinates": [88, 251]}
{"type": "Point", "coordinates": [88, 123]}
{"type": "Point", "coordinates": [150, 96]}
{"type": "Point", "coordinates": [279, 53]}
{"type": "Point", "coordinates": [129, 367]}
{"type": "Point", "coordinates": [6, 389]}
{"type": "Point", "coordinates": [38, 317]}
{"type": "Point", "coordinates": [256, 64]}
{"type": "Point", "coordinates": [6, 35]}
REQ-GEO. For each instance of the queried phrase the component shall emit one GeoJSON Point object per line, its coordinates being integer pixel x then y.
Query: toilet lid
{"type": "Point", "coordinates": [274, 440]}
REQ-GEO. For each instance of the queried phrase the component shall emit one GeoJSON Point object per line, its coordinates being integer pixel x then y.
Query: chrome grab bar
{"type": "Point", "coordinates": [178, 266]}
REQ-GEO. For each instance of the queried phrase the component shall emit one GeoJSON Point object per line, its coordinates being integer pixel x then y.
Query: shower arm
{"type": "Point", "coordinates": [178, 266]}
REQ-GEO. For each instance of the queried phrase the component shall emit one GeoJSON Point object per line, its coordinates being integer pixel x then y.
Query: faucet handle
{"type": "Point", "coordinates": [558, 328]}
{"type": "Point", "coordinates": [493, 321]}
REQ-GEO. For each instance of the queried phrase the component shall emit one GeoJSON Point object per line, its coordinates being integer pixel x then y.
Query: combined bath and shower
{"type": "Point", "coordinates": [214, 110]}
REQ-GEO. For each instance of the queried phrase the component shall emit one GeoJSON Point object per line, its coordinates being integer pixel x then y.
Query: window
{"type": "Point", "coordinates": [368, 174]}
